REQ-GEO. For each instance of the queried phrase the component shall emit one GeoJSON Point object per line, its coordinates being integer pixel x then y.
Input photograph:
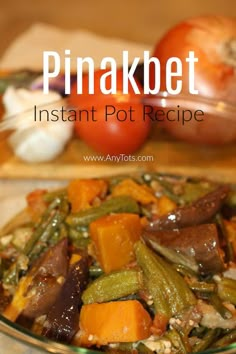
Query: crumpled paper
{"type": "Point", "coordinates": [26, 51]}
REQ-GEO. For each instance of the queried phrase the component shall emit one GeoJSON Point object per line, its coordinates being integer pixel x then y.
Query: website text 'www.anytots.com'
{"type": "Point", "coordinates": [118, 158]}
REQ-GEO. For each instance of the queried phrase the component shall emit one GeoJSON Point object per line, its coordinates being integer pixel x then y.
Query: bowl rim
{"type": "Point", "coordinates": [215, 106]}
{"type": "Point", "coordinates": [25, 336]}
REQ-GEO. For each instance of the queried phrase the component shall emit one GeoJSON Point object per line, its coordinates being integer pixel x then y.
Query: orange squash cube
{"type": "Point", "coordinates": [112, 322]}
{"type": "Point", "coordinates": [113, 238]}
{"type": "Point", "coordinates": [82, 192]}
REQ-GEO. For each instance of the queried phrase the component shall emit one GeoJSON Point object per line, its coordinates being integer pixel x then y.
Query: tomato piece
{"type": "Point", "coordinates": [116, 125]}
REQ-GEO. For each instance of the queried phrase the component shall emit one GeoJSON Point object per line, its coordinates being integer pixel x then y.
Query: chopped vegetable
{"type": "Point", "coordinates": [165, 205]}
{"type": "Point", "coordinates": [124, 265]}
{"type": "Point", "coordinates": [121, 204]}
{"type": "Point", "coordinates": [112, 322]}
{"type": "Point", "coordinates": [167, 288]}
{"type": "Point", "coordinates": [62, 319]}
{"type": "Point", "coordinates": [82, 192]}
{"type": "Point", "coordinates": [113, 286]}
{"type": "Point", "coordinates": [199, 212]}
{"type": "Point", "coordinates": [206, 341]}
{"type": "Point", "coordinates": [200, 242]}
{"type": "Point", "coordinates": [113, 238]}
{"type": "Point", "coordinates": [141, 193]}
{"type": "Point", "coordinates": [38, 290]}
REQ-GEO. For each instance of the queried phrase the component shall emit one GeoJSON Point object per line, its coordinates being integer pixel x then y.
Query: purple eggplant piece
{"type": "Point", "coordinates": [48, 274]}
{"type": "Point", "coordinates": [199, 212]}
{"type": "Point", "coordinates": [63, 319]}
{"type": "Point", "coordinates": [200, 242]}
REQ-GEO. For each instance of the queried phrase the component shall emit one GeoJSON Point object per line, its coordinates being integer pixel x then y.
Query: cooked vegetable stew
{"type": "Point", "coordinates": [142, 264]}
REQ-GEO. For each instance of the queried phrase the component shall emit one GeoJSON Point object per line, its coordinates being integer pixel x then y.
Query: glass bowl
{"type": "Point", "coordinates": [193, 118]}
{"type": "Point", "coordinates": [11, 332]}
{"type": "Point", "coordinates": [27, 342]}
{"type": "Point", "coordinates": [22, 341]}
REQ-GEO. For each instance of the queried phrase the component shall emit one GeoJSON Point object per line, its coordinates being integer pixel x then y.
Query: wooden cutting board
{"type": "Point", "coordinates": [160, 153]}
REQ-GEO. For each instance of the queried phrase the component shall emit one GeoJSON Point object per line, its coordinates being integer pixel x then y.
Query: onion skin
{"type": "Point", "coordinates": [213, 39]}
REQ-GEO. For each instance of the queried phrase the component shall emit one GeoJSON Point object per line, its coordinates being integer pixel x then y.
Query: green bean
{"type": "Point", "coordinates": [169, 291]}
{"type": "Point", "coordinates": [113, 286]}
{"type": "Point", "coordinates": [183, 333]}
{"type": "Point", "coordinates": [12, 274]}
{"type": "Point", "coordinates": [79, 237]}
{"type": "Point", "coordinates": [206, 341]}
{"type": "Point", "coordinates": [227, 290]}
{"type": "Point", "coordinates": [177, 341]}
{"type": "Point", "coordinates": [46, 229]}
{"type": "Point", "coordinates": [76, 234]}
{"type": "Point", "coordinates": [194, 191]}
{"type": "Point", "coordinates": [119, 204]}
{"type": "Point", "coordinates": [63, 232]}
{"type": "Point", "coordinates": [201, 286]}
{"type": "Point", "coordinates": [219, 306]}
{"type": "Point", "coordinates": [82, 243]}
{"type": "Point", "coordinates": [226, 339]}
{"type": "Point", "coordinates": [167, 187]}
{"type": "Point", "coordinates": [95, 271]}
{"type": "Point", "coordinates": [188, 192]}
{"type": "Point", "coordinates": [39, 228]}
{"type": "Point", "coordinates": [50, 232]}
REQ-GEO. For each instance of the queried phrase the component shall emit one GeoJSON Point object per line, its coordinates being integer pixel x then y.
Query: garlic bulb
{"type": "Point", "coordinates": [35, 140]}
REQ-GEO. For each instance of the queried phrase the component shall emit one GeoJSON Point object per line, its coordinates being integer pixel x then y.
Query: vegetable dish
{"type": "Point", "coordinates": [125, 264]}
